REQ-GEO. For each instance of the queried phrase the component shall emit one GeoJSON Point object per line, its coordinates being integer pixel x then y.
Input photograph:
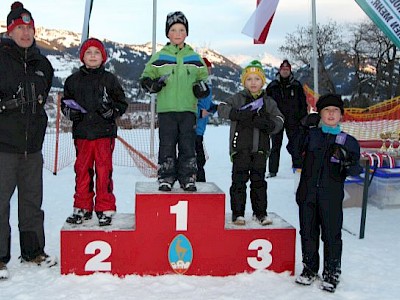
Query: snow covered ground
{"type": "Point", "coordinates": [370, 266]}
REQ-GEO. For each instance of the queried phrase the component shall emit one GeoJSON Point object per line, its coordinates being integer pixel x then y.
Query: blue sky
{"type": "Point", "coordinates": [215, 24]}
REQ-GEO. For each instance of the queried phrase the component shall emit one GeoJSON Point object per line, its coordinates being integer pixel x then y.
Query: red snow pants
{"type": "Point", "coordinates": [94, 157]}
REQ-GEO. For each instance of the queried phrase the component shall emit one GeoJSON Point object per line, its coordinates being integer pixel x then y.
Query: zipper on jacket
{"type": "Point", "coordinates": [22, 106]}
{"type": "Point", "coordinates": [33, 90]}
{"type": "Point", "coordinates": [323, 159]}
{"type": "Point", "coordinates": [26, 148]}
{"type": "Point", "coordinates": [22, 91]}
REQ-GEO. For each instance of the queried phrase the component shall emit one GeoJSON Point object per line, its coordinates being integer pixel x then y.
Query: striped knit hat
{"type": "Point", "coordinates": [255, 67]}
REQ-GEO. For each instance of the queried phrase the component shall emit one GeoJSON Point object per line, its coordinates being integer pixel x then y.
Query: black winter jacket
{"type": "Point", "coordinates": [289, 95]}
{"type": "Point", "coordinates": [25, 75]}
{"type": "Point", "coordinates": [86, 87]}
{"type": "Point", "coordinates": [244, 135]}
{"type": "Point", "coordinates": [320, 172]}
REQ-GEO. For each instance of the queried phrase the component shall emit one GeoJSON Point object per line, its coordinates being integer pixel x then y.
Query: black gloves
{"type": "Point", "coordinates": [72, 114]}
{"type": "Point", "coordinates": [201, 89]}
{"type": "Point", "coordinates": [9, 104]}
{"type": "Point", "coordinates": [311, 120]}
{"type": "Point", "coordinates": [339, 154]}
{"type": "Point", "coordinates": [241, 115]}
{"type": "Point", "coordinates": [106, 110]}
{"type": "Point", "coordinates": [152, 85]}
{"type": "Point", "coordinates": [264, 122]}
{"type": "Point", "coordinates": [244, 117]}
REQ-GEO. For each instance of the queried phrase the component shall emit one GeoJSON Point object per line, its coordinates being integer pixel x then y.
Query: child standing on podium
{"type": "Point", "coordinates": [254, 116]}
{"type": "Point", "coordinates": [178, 75]}
{"type": "Point", "coordinates": [99, 99]}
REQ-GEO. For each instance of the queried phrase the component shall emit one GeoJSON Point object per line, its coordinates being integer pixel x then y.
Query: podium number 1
{"type": "Point", "coordinates": [181, 211]}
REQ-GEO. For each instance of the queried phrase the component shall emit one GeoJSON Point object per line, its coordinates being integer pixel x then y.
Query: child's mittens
{"type": "Point", "coordinates": [106, 111]}
{"type": "Point", "coordinates": [264, 122]}
{"type": "Point", "coordinates": [152, 85]}
{"type": "Point", "coordinates": [341, 155]}
{"type": "Point", "coordinates": [311, 120]}
{"type": "Point", "coordinates": [200, 89]}
{"type": "Point", "coordinates": [241, 115]}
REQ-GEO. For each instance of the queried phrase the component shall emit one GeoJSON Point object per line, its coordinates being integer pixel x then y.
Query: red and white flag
{"type": "Point", "coordinates": [258, 25]}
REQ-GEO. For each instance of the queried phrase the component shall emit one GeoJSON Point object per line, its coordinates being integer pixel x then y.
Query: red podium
{"type": "Point", "coordinates": [177, 232]}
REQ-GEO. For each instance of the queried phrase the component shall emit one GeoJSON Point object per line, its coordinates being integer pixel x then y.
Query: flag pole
{"type": "Point", "coordinates": [153, 96]}
{"type": "Point", "coordinates": [86, 19]}
{"type": "Point", "coordinates": [314, 43]}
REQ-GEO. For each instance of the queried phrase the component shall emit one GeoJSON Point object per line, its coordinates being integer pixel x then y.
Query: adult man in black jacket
{"type": "Point", "coordinates": [25, 81]}
{"type": "Point", "coordinates": [289, 95]}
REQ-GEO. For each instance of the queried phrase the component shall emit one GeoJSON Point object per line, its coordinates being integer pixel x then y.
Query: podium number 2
{"type": "Point", "coordinates": [264, 258]}
{"type": "Point", "coordinates": [97, 262]}
{"type": "Point", "coordinates": [181, 211]}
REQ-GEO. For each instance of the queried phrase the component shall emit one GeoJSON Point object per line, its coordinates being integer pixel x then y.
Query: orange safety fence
{"type": "Point", "coordinates": [367, 124]}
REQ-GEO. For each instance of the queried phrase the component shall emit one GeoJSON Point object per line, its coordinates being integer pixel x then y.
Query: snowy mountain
{"type": "Point", "coordinates": [127, 61]}
{"type": "Point", "coordinates": [265, 58]}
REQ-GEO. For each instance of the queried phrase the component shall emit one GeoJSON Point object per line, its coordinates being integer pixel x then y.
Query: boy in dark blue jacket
{"type": "Point", "coordinates": [329, 156]}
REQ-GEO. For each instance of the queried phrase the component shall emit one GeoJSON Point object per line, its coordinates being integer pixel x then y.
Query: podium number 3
{"type": "Point", "coordinates": [181, 211]}
{"type": "Point", "coordinates": [97, 262]}
{"type": "Point", "coordinates": [264, 258]}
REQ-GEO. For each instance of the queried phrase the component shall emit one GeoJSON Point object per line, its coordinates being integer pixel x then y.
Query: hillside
{"type": "Point", "coordinates": [128, 61]}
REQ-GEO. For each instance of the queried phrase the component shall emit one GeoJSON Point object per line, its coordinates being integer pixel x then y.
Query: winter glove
{"type": "Point", "coordinates": [200, 89]}
{"type": "Point", "coordinates": [241, 115]}
{"type": "Point", "coordinates": [152, 85]}
{"type": "Point", "coordinates": [339, 154]}
{"type": "Point", "coordinates": [311, 120]}
{"type": "Point", "coordinates": [347, 162]}
{"type": "Point", "coordinates": [264, 122]}
{"type": "Point", "coordinates": [72, 114]}
{"type": "Point", "coordinates": [9, 104]}
{"type": "Point", "coordinates": [106, 110]}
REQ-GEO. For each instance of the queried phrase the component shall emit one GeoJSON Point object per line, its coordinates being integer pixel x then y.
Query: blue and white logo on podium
{"type": "Point", "coordinates": [180, 254]}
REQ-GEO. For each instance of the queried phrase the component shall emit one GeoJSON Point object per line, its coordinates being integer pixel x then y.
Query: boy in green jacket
{"type": "Point", "coordinates": [178, 75]}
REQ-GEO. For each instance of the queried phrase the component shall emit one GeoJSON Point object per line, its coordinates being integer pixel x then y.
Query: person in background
{"type": "Point", "coordinates": [93, 99]}
{"type": "Point", "coordinates": [330, 155]}
{"type": "Point", "coordinates": [25, 82]}
{"type": "Point", "coordinates": [178, 75]}
{"type": "Point", "coordinates": [254, 116]}
{"type": "Point", "coordinates": [205, 108]}
{"type": "Point", "coordinates": [289, 95]}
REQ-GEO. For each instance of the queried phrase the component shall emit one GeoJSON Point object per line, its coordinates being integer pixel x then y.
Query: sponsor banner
{"type": "Point", "coordinates": [386, 15]}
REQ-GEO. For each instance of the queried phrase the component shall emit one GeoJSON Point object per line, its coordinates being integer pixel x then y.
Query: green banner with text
{"type": "Point", "coordinates": [386, 15]}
